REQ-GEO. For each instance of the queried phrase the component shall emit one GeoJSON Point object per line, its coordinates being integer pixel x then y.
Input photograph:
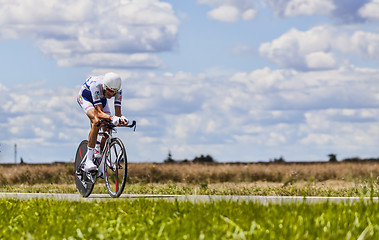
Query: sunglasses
{"type": "Point", "coordinates": [111, 91]}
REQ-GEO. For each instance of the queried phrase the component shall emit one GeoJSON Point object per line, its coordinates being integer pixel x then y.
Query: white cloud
{"type": "Point", "coordinates": [69, 31]}
{"type": "Point", "coordinates": [319, 47]}
{"type": "Point", "coordinates": [264, 108]}
{"type": "Point", "coordinates": [290, 8]}
{"type": "Point", "coordinates": [291, 49]}
{"type": "Point", "coordinates": [344, 129]}
{"type": "Point", "coordinates": [370, 10]}
{"type": "Point", "coordinates": [224, 13]}
{"type": "Point", "coordinates": [344, 11]}
{"type": "Point", "coordinates": [320, 60]}
{"type": "Point", "coordinates": [308, 7]}
{"type": "Point", "coordinates": [255, 115]}
{"type": "Point", "coordinates": [230, 10]}
{"type": "Point", "coordinates": [36, 118]}
{"type": "Point", "coordinates": [243, 50]}
{"type": "Point", "coordinates": [365, 44]}
{"type": "Point", "coordinates": [249, 14]}
{"type": "Point", "coordinates": [137, 60]}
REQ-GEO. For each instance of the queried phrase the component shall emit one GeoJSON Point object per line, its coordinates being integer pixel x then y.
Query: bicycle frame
{"type": "Point", "coordinates": [108, 137]}
{"type": "Point", "coordinates": [107, 133]}
{"type": "Point", "coordinates": [109, 161]}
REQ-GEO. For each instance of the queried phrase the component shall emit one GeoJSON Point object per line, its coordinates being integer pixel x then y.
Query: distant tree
{"type": "Point", "coordinates": [169, 158]}
{"type": "Point", "coordinates": [279, 160]}
{"type": "Point", "coordinates": [203, 159]}
{"type": "Point", "coordinates": [358, 159]}
{"type": "Point", "coordinates": [332, 157]}
{"type": "Point", "coordinates": [353, 159]}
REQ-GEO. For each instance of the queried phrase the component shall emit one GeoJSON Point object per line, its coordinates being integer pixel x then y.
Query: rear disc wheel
{"type": "Point", "coordinates": [84, 187]}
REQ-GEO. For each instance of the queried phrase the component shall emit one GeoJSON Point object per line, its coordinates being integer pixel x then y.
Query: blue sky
{"type": "Point", "coordinates": [241, 80]}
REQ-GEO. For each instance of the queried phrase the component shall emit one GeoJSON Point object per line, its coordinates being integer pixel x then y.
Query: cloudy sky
{"type": "Point", "coordinates": [241, 80]}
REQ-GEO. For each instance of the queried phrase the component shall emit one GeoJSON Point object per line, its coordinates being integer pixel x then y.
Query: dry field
{"type": "Point", "coordinates": [311, 179]}
{"type": "Point", "coordinates": [252, 172]}
{"type": "Point", "coordinates": [284, 173]}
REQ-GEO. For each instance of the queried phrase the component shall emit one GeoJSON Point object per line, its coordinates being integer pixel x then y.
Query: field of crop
{"type": "Point", "coordinates": [164, 219]}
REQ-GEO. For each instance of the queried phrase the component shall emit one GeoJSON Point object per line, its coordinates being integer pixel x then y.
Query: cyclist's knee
{"type": "Point", "coordinates": [95, 122]}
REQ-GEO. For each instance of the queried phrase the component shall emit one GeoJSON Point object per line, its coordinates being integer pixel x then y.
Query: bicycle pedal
{"type": "Point", "coordinates": [100, 175]}
{"type": "Point", "coordinates": [90, 177]}
{"type": "Point", "coordinates": [84, 183]}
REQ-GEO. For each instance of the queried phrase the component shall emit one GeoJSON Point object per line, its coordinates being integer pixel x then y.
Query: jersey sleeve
{"type": "Point", "coordinates": [118, 98]}
{"type": "Point", "coordinates": [96, 93]}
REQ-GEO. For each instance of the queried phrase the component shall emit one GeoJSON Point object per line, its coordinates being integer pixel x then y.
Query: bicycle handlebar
{"type": "Point", "coordinates": [133, 125]}
{"type": "Point", "coordinates": [107, 124]}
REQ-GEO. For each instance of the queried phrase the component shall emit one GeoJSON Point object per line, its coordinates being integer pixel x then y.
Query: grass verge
{"type": "Point", "coordinates": [162, 219]}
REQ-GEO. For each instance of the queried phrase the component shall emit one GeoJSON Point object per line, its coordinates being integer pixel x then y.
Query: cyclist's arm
{"type": "Point", "coordinates": [117, 110]}
{"type": "Point", "coordinates": [117, 103]}
{"type": "Point", "coordinates": [123, 119]}
{"type": "Point", "coordinates": [100, 113]}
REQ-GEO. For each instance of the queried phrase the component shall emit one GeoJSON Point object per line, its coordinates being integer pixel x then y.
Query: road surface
{"type": "Point", "coordinates": [193, 198]}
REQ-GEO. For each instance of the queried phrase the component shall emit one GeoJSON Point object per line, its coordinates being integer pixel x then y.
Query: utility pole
{"type": "Point", "coordinates": [15, 153]}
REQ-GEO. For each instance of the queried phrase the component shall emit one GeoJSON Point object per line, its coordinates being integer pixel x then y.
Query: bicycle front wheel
{"type": "Point", "coordinates": [116, 168]}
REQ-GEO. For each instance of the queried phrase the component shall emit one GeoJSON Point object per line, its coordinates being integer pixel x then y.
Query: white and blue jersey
{"type": "Point", "coordinates": [92, 94]}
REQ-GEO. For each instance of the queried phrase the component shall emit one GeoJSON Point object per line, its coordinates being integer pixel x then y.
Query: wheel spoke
{"type": "Point", "coordinates": [115, 152]}
{"type": "Point", "coordinates": [116, 180]}
{"type": "Point", "coordinates": [116, 162]}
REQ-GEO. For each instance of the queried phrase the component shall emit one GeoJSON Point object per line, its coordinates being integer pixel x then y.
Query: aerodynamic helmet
{"type": "Point", "coordinates": [112, 82]}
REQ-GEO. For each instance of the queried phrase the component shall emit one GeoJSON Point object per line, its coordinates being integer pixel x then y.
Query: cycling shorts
{"type": "Point", "coordinates": [86, 104]}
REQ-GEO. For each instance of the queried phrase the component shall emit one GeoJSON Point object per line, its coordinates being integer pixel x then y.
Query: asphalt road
{"type": "Point", "coordinates": [193, 198]}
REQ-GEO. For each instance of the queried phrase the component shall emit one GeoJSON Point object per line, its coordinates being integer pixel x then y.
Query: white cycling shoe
{"type": "Point", "coordinates": [89, 166]}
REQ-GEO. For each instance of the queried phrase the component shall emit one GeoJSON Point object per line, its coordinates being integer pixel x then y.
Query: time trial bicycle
{"type": "Point", "coordinates": [115, 163]}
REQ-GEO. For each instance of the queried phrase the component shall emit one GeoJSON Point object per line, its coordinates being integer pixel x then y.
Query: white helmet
{"type": "Point", "coordinates": [112, 81]}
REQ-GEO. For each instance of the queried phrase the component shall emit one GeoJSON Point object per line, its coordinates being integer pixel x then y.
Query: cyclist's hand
{"type": "Point", "coordinates": [115, 120]}
{"type": "Point", "coordinates": [124, 120]}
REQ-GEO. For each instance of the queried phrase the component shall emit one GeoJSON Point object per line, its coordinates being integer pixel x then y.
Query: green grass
{"type": "Point", "coordinates": [163, 219]}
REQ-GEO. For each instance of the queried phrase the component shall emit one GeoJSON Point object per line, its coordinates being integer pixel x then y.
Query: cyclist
{"type": "Point", "coordinates": [92, 98]}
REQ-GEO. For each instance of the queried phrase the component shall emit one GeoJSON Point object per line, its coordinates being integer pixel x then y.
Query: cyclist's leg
{"type": "Point", "coordinates": [107, 111]}
{"type": "Point", "coordinates": [92, 136]}
{"type": "Point", "coordinates": [91, 113]}
{"type": "Point", "coordinates": [101, 166]}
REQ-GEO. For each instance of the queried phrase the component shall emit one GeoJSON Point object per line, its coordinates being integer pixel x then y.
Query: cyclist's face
{"type": "Point", "coordinates": [109, 93]}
